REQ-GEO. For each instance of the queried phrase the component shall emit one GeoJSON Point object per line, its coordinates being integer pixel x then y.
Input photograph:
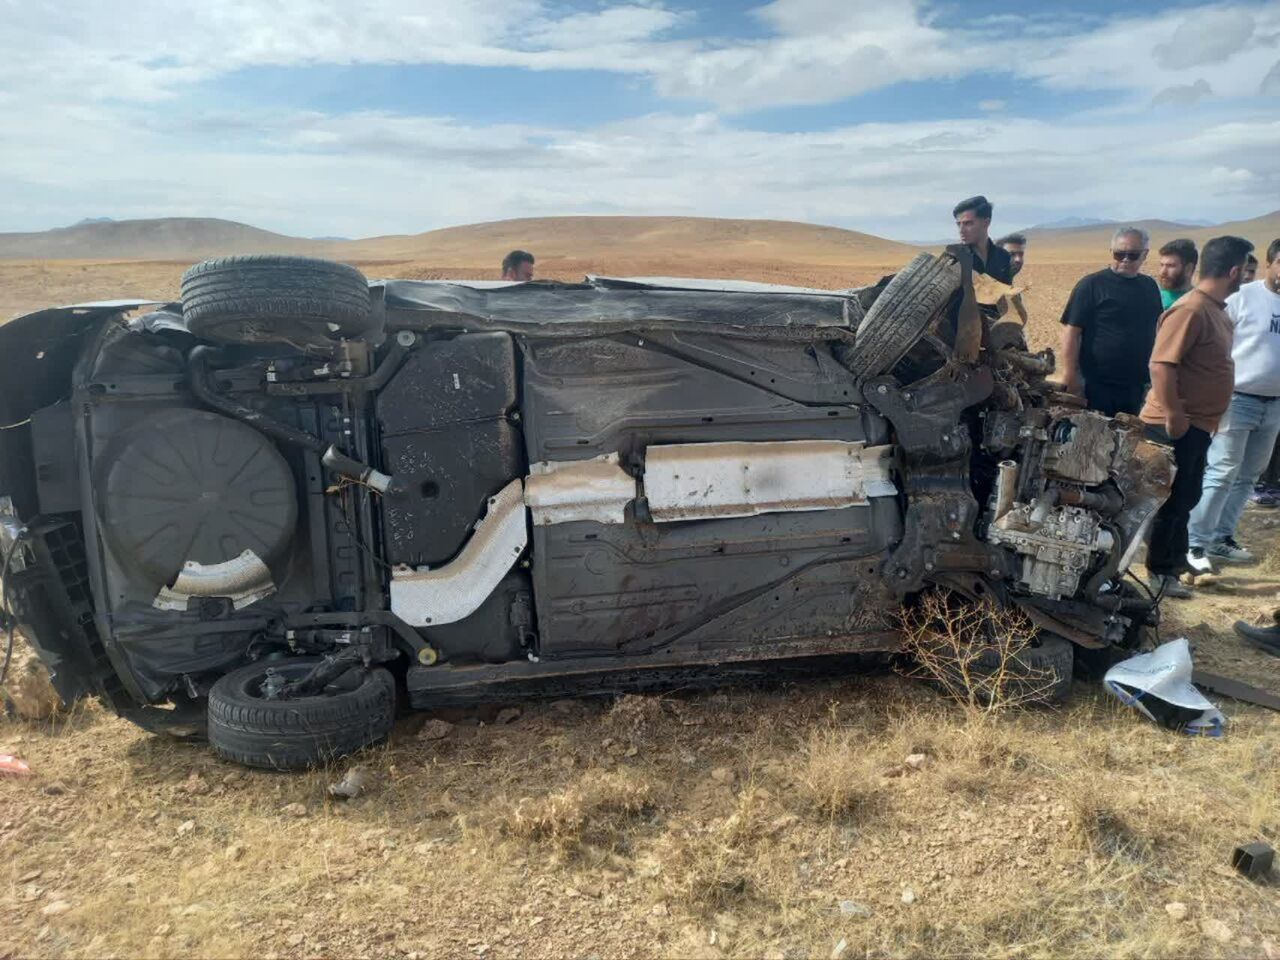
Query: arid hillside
{"type": "Point", "coordinates": [1090, 243]}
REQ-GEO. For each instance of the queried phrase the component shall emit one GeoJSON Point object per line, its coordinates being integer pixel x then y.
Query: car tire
{"type": "Point", "coordinates": [355, 711]}
{"type": "Point", "coordinates": [1046, 669]}
{"type": "Point", "coordinates": [269, 299]}
{"type": "Point", "coordinates": [902, 313]}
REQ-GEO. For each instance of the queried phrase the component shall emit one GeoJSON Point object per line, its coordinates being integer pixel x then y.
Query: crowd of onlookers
{"type": "Point", "coordinates": [1197, 359]}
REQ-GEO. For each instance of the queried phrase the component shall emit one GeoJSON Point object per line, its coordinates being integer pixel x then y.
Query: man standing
{"type": "Point", "coordinates": [1178, 260]}
{"type": "Point", "coordinates": [1247, 437]}
{"type": "Point", "coordinates": [973, 220]}
{"type": "Point", "coordinates": [1109, 326]}
{"type": "Point", "coordinates": [1015, 245]}
{"type": "Point", "coordinates": [1191, 381]}
{"type": "Point", "coordinates": [518, 266]}
{"type": "Point", "coordinates": [1250, 270]}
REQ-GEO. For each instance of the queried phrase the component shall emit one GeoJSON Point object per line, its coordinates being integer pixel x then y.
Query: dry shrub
{"type": "Point", "coordinates": [838, 780]}
{"type": "Point", "coordinates": [711, 869]}
{"type": "Point", "coordinates": [594, 812]}
{"type": "Point", "coordinates": [1102, 830]}
{"type": "Point", "coordinates": [972, 651]}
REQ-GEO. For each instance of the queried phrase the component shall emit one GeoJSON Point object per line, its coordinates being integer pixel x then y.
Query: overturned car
{"type": "Point", "coordinates": [290, 502]}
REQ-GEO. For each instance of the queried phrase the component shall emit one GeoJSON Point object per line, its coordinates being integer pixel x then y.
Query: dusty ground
{"type": "Point", "coordinates": [754, 822]}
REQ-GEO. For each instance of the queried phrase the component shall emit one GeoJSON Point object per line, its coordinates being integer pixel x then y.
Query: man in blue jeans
{"type": "Point", "coordinates": [1247, 435]}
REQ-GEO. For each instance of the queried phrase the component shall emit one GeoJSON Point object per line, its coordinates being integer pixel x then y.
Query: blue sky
{"type": "Point", "coordinates": [395, 116]}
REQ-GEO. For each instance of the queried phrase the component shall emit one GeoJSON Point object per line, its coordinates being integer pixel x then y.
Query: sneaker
{"type": "Point", "coordinates": [1198, 562]}
{"type": "Point", "coordinates": [1263, 498]}
{"type": "Point", "coordinates": [1230, 552]}
{"type": "Point", "coordinates": [1166, 585]}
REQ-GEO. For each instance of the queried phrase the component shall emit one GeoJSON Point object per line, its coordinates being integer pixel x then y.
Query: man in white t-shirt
{"type": "Point", "coordinates": [1247, 435]}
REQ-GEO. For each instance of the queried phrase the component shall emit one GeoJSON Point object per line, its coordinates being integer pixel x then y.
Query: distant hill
{"type": "Point", "coordinates": [1091, 242]}
{"type": "Point", "coordinates": [169, 238]}
{"type": "Point", "coordinates": [565, 239]}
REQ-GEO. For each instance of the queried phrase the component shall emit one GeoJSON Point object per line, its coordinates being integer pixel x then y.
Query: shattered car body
{"type": "Point", "coordinates": [476, 490]}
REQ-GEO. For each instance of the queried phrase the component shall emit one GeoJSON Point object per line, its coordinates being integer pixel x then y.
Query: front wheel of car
{"type": "Point", "coordinates": [245, 725]}
{"type": "Point", "coordinates": [901, 314]}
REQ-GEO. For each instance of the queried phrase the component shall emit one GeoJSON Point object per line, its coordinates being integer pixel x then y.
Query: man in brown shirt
{"type": "Point", "coordinates": [1192, 376]}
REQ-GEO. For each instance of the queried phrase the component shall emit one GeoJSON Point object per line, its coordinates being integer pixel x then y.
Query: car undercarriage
{"type": "Point", "coordinates": [296, 499]}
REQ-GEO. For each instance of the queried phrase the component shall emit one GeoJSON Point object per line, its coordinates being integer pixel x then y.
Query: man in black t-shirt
{"type": "Point", "coordinates": [973, 220]}
{"type": "Point", "coordinates": [1109, 327]}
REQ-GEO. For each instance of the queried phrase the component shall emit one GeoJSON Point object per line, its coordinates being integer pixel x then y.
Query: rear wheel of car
{"type": "Point", "coordinates": [268, 299]}
{"type": "Point", "coordinates": [354, 711]}
{"type": "Point", "coordinates": [901, 313]}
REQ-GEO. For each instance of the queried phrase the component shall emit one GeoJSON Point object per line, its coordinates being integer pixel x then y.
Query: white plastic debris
{"type": "Point", "coordinates": [1158, 684]}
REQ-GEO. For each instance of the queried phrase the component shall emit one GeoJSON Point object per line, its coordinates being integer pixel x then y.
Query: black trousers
{"type": "Point", "coordinates": [1167, 546]}
{"type": "Point", "coordinates": [1112, 398]}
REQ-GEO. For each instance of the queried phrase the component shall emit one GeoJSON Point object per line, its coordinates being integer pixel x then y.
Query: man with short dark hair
{"type": "Point", "coordinates": [518, 266]}
{"type": "Point", "coordinates": [1109, 326]}
{"type": "Point", "coordinates": [1192, 375]}
{"type": "Point", "coordinates": [1250, 270]}
{"type": "Point", "coordinates": [973, 221]}
{"type": "Point", "coordinates": [1247, 436]}
{"type": "Point", "coordinates": [1178, 260]}
{"type": "Point", "coordinates": [1015, 245]}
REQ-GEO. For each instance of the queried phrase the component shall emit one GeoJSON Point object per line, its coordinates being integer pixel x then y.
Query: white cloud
{"type": "Point", "coordinates": [96, 93]}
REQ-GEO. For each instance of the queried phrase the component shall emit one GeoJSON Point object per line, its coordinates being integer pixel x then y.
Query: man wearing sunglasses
{"type": "Point", "coordinates": [1192, 378]}
{"type": "Point", "coordinates": [1109, 326]}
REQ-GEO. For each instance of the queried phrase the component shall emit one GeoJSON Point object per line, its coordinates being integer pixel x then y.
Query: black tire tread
{"type": "Point", "coordinates": [1051, 661]}
{"type": "Point", "coordinates": [295, 734]}
{"type": "Point", "coordinates": [264, 297]}
{"type": "Point", "coordinates": [902, 313]}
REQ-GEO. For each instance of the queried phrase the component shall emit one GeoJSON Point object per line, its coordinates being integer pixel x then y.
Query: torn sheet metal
{"type": "Point", "coordinates": [1158, 684]}
{"type": "Point", "coordinates": [704, 481]}
{"type": "Point", "coordinates": [563, 491]}
{"type": "Point", "coordinates": [244, 579]}
{"type": "Point", "coordinates": [456, 590]}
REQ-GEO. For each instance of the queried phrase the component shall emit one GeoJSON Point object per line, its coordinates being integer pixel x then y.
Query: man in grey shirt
{"type": "Point", "coordinates": [1247, 435]}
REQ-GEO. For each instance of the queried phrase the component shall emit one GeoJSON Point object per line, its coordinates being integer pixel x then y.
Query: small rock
{"type": "Point", "coordinates": [838, 950]}
{"type": "Point", "coordinates": [632, 751]}
{"type": "Point", "coordinates": [508, 715]}
{"type": "Point", "coordinates": [30, 875]}
{"type": "Point", "coordinates": [660, 910]}
{"type": "Point", "coordinates": [195, 785]}
{"type": "Point", "coordinates": [295, 810]}
{"type": "Point", "coordinates": [851, 908]}
{"type": "Point", "coordinates": [233, 852]}
{"type": "Point", "coordinates": [565, 707]}
{"type": "Point", "coordinates": [354, 783]}
{"type": "Point", "coordinates": [295, 939]}
{"type": "Point", "coordinates": [55, 789]}
{"type": "Point", "coordinates": [1176, 911]}
{"type": "Point", "coordinates": [186, 827]}
{"type": "Point", "coordinates": [164, 929]}
{"type": "Point", "coordinates": [55, 909]}
{"type": "Point", "coordinates": [916, 761]}
{"type": "Point", "coordinates": [435, 729]}
{"type": "Point", "coordinates": [723, 775]}
{"type": "Point", "coordinates": [908, 896]}
{"type": "Point", "coordinates": [1215, 929]}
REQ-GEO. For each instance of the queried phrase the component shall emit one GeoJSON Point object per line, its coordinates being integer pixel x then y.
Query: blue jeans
{"type": "Point", "coordinates": [1240, 452]}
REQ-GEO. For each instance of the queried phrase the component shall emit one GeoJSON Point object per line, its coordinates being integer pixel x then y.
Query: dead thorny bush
{"type": "Point", "coordinates": [973, 651]}
{"type": "Point", "coordinates": [595, 811]}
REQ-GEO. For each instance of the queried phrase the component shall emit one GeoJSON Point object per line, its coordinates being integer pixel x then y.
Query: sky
{"type": "Point", "coordinates": [327, 118]}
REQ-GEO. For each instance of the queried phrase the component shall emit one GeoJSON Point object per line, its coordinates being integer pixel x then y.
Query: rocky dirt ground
{"type": "Point", "coordinates": [838, 816]}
